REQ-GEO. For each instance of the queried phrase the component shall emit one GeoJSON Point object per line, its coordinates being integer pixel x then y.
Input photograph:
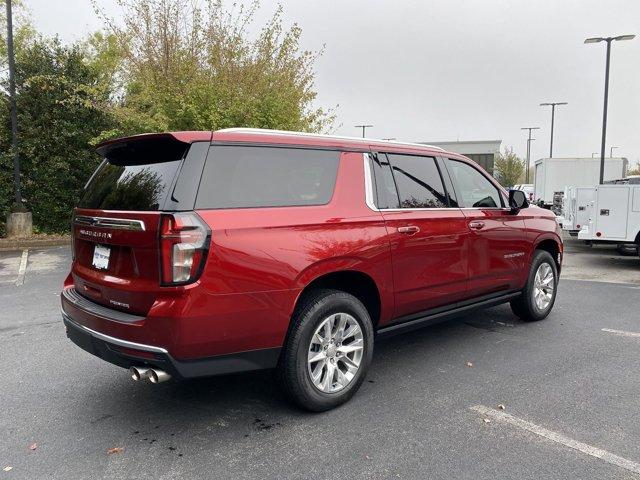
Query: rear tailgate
{"type": "Point", "coordinates": [116, 225]}
{"type": "Point", "coordinates": [116, 258]}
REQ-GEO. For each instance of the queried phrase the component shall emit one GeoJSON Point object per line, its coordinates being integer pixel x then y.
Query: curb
{"type": "Point", "coordinates": [7, 244]}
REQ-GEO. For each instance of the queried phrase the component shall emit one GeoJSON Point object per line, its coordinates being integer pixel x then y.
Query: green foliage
{"type": "Point", "coordinates": [192, 66]}
{"type": "Point", "coordinates": [61, 109]}
{"type": "Point", "coordinates": [635, 170]}
{"type": "Point", "coordinates": [168, 65]}
{"type": "Point", "coordinates": [509, 168]}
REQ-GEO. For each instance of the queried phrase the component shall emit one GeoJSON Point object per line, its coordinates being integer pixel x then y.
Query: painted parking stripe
{"type": "Point", "coordinates": [621, 333]}
{"type": "Point", "coordinates": [22, 270]}
{"type": "Point", "coordinates": [558, 438]}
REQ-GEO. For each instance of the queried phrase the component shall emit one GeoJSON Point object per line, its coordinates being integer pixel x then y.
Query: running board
{"type": "Point", "coordinates": [440, 315]}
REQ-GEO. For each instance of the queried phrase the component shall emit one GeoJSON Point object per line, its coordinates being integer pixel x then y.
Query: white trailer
{"type": "Point", "coordinates": [576, 208]}
{"type": "Point", "coordinates": [614, 215]}
{"type": "Point", "coordinates": [552, 175]}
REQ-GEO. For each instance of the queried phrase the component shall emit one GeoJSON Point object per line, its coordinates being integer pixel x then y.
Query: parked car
{"type": "Point", "coordinates": [527, 188]}
{"type": "Point", "coordinates": [200, 253]}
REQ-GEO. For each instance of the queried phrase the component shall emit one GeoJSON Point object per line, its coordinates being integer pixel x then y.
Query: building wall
{"type": "Point", "coordinates": [483, 152]}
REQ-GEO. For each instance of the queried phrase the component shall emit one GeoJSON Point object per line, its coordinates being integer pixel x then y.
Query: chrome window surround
{"type": "Point", "coordinates": [370, 200]}
{"type": "Point", "coordinates": [106, 222]}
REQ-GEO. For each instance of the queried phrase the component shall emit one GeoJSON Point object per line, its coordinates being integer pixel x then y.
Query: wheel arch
{"type": "Point", "coordinates": [355, 282]}
{"type": "Point", "coordinates": [551, 245]}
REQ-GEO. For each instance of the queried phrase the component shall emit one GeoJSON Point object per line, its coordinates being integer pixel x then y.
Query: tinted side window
{"type": "Point", "coordinates": [473, 188]}
{"type": "Point", "coordinates": [129, 187]}
{"type": "Point", "coordinates": [238, 176]}
{"type": "Point", "coordinates": [386, 193]}
{"type": "Point", "coordinates": [418, 180]}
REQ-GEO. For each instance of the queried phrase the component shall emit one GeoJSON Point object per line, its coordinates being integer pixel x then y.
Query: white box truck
{"type": "Point", "coordinates": [552, 175]}
{"type": "Point", "coordinates": [614, 216]}
{"type": "Point", "coordinates": [576, 208]}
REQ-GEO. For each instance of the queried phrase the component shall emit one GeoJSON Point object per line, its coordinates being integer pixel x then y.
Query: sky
{"type": "Point", "coordinates": [440, 70]}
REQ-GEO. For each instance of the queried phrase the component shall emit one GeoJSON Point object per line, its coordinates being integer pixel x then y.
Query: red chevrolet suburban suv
{"type": "Point", "coordinates": [207, 253]}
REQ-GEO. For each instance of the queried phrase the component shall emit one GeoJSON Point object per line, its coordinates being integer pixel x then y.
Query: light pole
{"type": "Point", "coordinates": [553, 114]}
{"type": "Point", "coordinates": [529, 149]}
{"type": "Point", "coordinates": [611, 151]}
{"type": "Point", "coordinates": [363, 127]}
{"type": "Point", "coordinates": [14, 113]}
{"type": "Point", "coordinates": [606, 91]}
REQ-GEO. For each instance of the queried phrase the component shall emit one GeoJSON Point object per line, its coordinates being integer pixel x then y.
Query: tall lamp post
{"type": "Point", "coordinates": [553, 114]}
{"type": "Point", "coordinates": [363, 127]}
{"type": "Point", "coordinates": [14, 114]}
{"type": "Point", "coordinates": [608, 40]}
{"type": "Point", "coordinates": [529, 149]}
{"type": "Point", "coordinates": [19, 221]}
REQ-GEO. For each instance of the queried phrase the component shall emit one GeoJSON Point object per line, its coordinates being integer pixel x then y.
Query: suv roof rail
{"type": "Point", "coordinates": [265, 131]}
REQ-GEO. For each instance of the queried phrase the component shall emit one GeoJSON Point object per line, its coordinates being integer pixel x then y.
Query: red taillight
{"type": "Point", "coordinates": [578, 226]}
{"type": "Point", "coordinates": [184, 241]}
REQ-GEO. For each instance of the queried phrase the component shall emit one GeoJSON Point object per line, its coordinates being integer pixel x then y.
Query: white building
{"type": "Point", "coordinates": [483, 152]}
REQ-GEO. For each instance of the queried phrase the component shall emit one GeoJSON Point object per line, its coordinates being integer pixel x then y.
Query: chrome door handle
{"type": "Point", "coordinates": [409, 230]}
{"type": "Point", "coordinates": [476, 225]}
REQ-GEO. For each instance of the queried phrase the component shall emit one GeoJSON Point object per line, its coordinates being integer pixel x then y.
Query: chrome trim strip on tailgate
{"type": "Point", "coordinates": [114, 340]}
{"type": "Point", "coordinates": [74, 298]}
{"type": "Point", "coordinates": [106, 222]}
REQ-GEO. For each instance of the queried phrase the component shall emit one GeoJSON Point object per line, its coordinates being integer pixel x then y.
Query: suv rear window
{"type": "Point", "coordinates": [247, 176]}
{"type": "Point", "coordinates": [129, 187]}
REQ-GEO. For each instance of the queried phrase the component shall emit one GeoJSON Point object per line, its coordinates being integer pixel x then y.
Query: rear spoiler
{"type": "Point", "coordinates": [149, 147]}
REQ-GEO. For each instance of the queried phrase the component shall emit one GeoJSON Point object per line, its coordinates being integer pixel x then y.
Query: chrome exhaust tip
{"type": "Point", "coordinates": [158, 376]}
{"type": "Point", "coordinates": [139, 373]}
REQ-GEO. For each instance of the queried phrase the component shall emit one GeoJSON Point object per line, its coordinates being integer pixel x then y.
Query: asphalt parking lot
{"type": "Point", "coordinates": [429, 407]}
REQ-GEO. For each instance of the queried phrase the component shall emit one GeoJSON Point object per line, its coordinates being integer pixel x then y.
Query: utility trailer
{"type": "Point", "coordinates": [614, 216]}
{"type": "Point", "coordinates": [552, 175]}
{"type": "Point", "coordinates": [576, 208]}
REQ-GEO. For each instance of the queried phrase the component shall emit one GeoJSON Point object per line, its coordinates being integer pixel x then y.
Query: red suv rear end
{"type": "Point", "coordinates": [200, 253]}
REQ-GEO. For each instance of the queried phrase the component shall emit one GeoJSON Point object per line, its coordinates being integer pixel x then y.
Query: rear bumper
{"type": "Point", "coordinates": [126, 353]}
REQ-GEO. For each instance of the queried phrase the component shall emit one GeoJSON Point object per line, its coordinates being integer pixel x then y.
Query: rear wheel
{"type": "Point", "coordinates": [328, 350]}
{"type": "Point", "coordinates": [627, 249]}
{"type": "Point", "coordinates": [539, 294]}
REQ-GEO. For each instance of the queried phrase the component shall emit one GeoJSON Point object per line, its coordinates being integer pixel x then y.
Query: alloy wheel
{"type": "Point", "coordinates": [543, 286]}
{"type": "Point", "coordinates": [335, 352]}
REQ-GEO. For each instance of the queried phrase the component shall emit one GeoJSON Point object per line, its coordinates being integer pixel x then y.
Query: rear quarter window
{"type": "Point", "coordinates": [248, 176]}
{"type": "Point", "coordinates": [129, 187]}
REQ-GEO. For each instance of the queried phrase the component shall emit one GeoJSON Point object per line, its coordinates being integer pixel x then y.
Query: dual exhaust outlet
{"type": "Point", "coordinates": [152, 374]}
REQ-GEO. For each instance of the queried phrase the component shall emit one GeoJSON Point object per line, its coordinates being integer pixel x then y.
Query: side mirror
{"type": "Point", "coordinates": [517, 200]}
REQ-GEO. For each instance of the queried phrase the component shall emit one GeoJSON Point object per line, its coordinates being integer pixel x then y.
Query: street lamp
{"type": "Point", "coordinates": [611, 151]}
{"type": "Point", "coordinates": [553, 114]}
{"type": "Point", "coordinates": [14, 114]}
{"type": "Point", "coordinates": [363, 127]}
{"type": "Point", "coordinates": [529, 150]}
{"type": "Point", "coordinates": [606, 91]}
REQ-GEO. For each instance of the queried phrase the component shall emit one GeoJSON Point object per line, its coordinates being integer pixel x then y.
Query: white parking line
{"type": "Point", "coordinates": [22, 270]}
{"type": "Point", "coordinates": [558, 438]}
{"type": "Point", "coordinates": [621, 333]}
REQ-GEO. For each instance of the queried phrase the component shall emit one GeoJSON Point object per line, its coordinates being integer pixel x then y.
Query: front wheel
{"type": "Point", "coordinates": [328, 350]}
{"type": "Point", "coordinates": [539, 294]}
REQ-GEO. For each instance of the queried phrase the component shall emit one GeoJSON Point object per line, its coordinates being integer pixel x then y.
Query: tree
{"type": "Point", "coordinates": [192, 66]}
{"type": "Point", "coordinates": [62, 108]}
{"type": "Point", "coordinates": [509, 168]}
{"type": "Point", "coordinates": [635, 170]}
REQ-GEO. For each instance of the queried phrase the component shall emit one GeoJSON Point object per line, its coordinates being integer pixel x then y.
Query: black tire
{"type": "Point", "coordinates": [525, 306]}
{"type": "Point", "coordinates": [627, 249]}
{"type": "Point", "coordinates": [293, 372]}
